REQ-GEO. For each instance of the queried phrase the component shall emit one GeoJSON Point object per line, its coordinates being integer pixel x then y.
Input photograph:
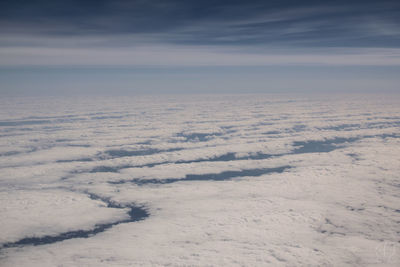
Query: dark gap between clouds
{"type": "Point", "coordinates": [136, 213]}
{"type": "Point", "coordinates": [227, 175]}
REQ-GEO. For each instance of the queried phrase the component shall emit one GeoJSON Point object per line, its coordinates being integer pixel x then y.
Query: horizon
{"type": "Point", "coordinates": [77, 47]}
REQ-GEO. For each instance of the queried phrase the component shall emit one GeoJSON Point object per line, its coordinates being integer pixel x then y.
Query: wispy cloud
{"type": "Point", "coordinates": [197, 34]}
{"type": "Point", "coordinates": [174, 55]}
{"type": "Point", "coordinates": [212, 23]}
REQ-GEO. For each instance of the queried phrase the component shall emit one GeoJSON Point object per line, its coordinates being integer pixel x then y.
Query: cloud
{"type": "Point", "coordinates": [284, 23]}
{"type": "Point", "coordinates": [171, 34]}
{"type": "Point", "coordinates": [343, 195]}
{"type": "Point", "coordinates": [194, 56]}
{"type": "Point", "coordinates": [50, 212]}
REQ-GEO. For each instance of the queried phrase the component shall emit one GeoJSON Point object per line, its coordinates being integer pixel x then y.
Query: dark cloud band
{"type": "Point", "coordinates": [289, 23]}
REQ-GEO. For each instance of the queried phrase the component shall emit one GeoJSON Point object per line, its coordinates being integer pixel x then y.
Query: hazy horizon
{"type": "Point", "coordinates": [129, 47]}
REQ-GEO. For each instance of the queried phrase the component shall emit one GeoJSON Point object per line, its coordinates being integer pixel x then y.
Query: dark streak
{"type": "Point", "coordinates": [227, 175]}
{"type": "Point", "coordinates": [198, 137]}
{"type": "Point", "coordinates": [135, 214]}
{"type": "Point", "coordinates": [329, 145]}
{"type": "Point", "coordinates": [225, 157]}
{"type": "Point", "coordinates": [74, 160]}
{"type": "Point", "coordinates": [20, 123]}
{"type": "Point", "coordinates": [119, 153]}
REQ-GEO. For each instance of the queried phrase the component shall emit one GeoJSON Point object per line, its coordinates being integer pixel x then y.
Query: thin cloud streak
{"type": "Point", "coordinates": [194, 56]}
{"type": "Point", "coordinates": [286, 23]}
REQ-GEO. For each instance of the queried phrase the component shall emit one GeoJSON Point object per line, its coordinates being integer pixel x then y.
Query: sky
{"type": "Point", "coordinates": [153, 46]}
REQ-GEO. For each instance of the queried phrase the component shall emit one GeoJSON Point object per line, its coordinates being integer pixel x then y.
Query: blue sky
{"type": "Point", "coordinates": [108, 47]}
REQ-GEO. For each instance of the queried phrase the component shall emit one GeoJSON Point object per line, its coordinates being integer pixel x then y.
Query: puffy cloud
{"type": "Point", "coordinates": [334, 205]}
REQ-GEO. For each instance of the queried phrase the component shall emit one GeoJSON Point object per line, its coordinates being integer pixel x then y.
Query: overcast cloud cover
{"type": "Point", "coordinates": [199, 133]}
{"type": "Point", "coordinates": [254, 180]}
{"type": "Point", "coordinates": [184, 35]}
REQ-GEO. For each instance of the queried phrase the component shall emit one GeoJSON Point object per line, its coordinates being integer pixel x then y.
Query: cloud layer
{"type": "Point", "coordinates": [251, 180]}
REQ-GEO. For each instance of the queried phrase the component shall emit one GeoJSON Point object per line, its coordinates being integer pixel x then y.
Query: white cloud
{"type": "Point", "coordinates": [331, 208]}
{"type": "Point", "coordinates": [37, 213]}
